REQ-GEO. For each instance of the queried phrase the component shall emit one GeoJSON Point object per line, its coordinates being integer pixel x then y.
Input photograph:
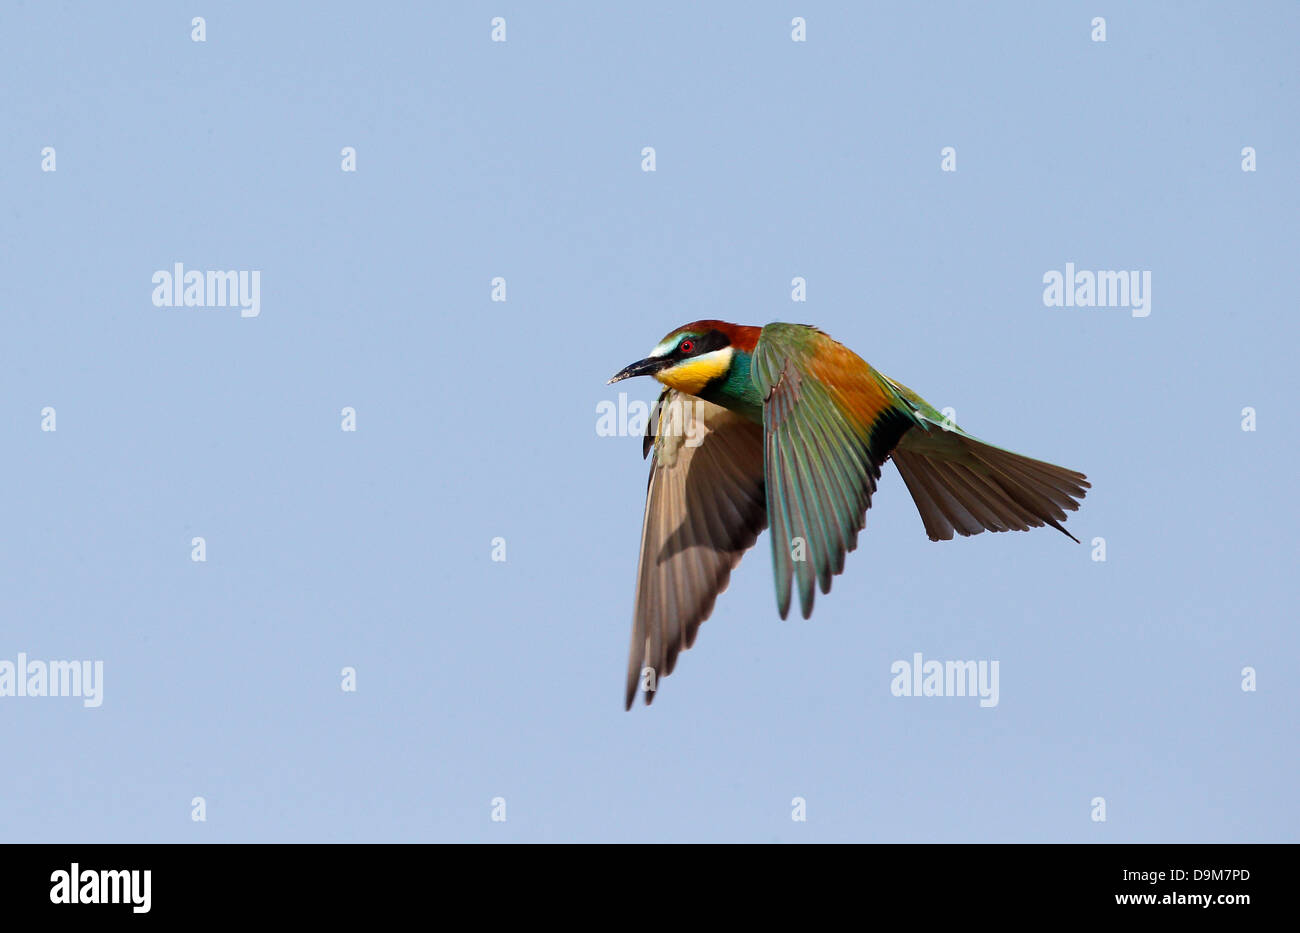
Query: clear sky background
{"type": "Point", "coordinates": [479, 679]}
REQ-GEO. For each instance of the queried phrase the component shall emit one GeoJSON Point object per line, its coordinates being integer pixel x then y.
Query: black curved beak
{"type": "Point", "coordinates": [646, 367]}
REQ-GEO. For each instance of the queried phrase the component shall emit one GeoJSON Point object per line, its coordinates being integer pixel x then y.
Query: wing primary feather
{"type": "Point", "coordinates": [827, 544]}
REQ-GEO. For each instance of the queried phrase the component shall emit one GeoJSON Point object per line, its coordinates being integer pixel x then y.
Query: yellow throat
{"type": "Point", "coordinates": [692, 375]}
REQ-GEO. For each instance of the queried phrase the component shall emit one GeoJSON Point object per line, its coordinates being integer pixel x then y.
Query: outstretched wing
{"type": "Point", "coordinates": [829, 422]}
{"type": "Point", "coordinates": [704, 508]}
{"type": "Point", "coordinates": [961, 484]}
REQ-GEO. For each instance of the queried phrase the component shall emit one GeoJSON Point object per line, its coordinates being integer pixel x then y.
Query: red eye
{"type": "Point", "coordinates": [687, 346]}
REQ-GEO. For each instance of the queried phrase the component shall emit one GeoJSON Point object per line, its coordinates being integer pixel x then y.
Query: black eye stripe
{"type": "Point", "coordinates": [703, 343]}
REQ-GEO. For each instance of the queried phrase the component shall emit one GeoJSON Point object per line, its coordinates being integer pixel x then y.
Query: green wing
{"type": "Point", "coordinates": [829, 422]}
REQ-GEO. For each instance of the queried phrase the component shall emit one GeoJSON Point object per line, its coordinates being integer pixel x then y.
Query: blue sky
{"type": "Point", "coordinates": [476, 419]}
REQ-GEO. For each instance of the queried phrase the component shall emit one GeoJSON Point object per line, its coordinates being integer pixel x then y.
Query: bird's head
{"type": "Point", "coordinates": [694, 355]}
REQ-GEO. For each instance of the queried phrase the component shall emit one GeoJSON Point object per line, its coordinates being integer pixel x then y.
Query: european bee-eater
{"type": "Point", "coordinates": [783, 425]}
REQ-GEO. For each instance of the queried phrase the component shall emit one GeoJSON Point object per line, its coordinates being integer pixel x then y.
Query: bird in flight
{"type": "Point", "coordinates": [784, 426]}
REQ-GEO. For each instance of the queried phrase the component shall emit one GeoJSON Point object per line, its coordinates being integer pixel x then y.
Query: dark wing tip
{"type": "Point", "coordinates": [1061, 528]}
